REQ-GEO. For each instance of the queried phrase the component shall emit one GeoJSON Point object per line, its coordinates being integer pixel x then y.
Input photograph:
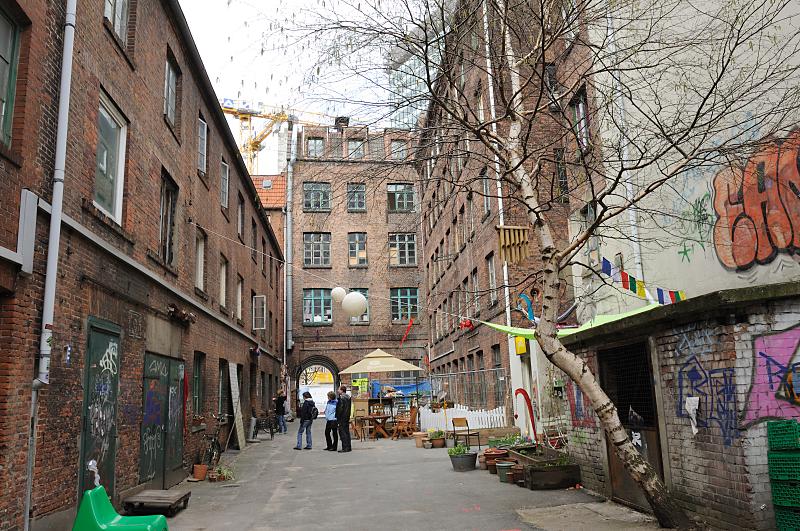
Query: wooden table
{"type": "Point", "coordinates": [379, 422]}
{"type": "Point", "coordinates": [168, 502]}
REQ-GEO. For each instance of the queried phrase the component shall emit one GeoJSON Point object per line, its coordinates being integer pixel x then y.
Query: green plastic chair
{"type": "Point", "coordinates": [97, 514]}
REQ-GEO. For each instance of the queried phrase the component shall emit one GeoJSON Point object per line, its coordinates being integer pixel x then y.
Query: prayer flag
{"type": "Point", "coordinates": [625, 279]}
{"type": "Point", "coordinates": [681, 296]}
{"type": "Point", "coordinates": [632, 281]}
{"type": "Point", "coordinates": [606, 267]}
{"type": "Point", "coordinates": [672, 296]}
{"type": "Point", "coordinates": [615, 274]}
{"type": "Point", "coordinates": [640, 289]}
{"type": "Point", "coordinates": [660, 293]}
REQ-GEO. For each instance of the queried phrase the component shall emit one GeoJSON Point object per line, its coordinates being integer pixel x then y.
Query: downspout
{"type": "Point", "coordinates": [500, 209]}
{"type": "Point", "coordinates": [43, 377]}
{"type": "Point", "coordinates": [288, 267]}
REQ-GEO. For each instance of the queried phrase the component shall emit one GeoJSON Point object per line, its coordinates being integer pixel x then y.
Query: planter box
{"type": "Point", "coordinates": [546, 457]}
{"type": "Point", "coordinates": [539, 477]}
{"type": "Point", "coordinates": [463, 463]}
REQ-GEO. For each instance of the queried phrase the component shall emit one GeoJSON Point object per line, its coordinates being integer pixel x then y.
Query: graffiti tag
{"type": "Point", "coordinates": [158, 368]}
{"type": "Point", "coordinates": [716, 390]}
{"type": "Point", "coordinates": [108, 363]}
{"type": "Point", "coordinates": [775, 392]}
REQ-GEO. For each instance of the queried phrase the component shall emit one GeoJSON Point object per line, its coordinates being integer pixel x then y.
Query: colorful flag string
{"type": "Point", "coordinates": [637, 286]}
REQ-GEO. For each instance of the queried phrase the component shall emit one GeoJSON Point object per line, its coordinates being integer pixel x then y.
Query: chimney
{"type": "Point", "coordinates": [340, 122]}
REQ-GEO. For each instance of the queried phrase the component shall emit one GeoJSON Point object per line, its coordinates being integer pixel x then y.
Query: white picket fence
{"type": "Point", "coordinates": [481, 418]}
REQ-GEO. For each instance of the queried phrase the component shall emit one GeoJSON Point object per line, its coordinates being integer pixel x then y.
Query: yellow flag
{"type": "Point", "coordinates": [640, 289]}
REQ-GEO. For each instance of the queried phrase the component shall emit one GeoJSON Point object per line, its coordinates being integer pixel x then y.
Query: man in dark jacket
{"type": "Point", "coordinates": [306, 419]}
{"type": "Point", "coordinates": [343, 418]}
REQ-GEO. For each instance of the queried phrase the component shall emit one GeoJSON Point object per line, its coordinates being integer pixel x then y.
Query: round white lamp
{"type": "Point", "coordinates": [354, 304]}
{"type": "Point", "coordinates": [337, 294]}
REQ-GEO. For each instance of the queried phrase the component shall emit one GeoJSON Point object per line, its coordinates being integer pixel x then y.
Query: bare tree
{"type": "Point", "coordinates": [574, 106]}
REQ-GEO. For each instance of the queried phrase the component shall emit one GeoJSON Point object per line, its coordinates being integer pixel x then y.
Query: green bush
{"type": "Point", "coordinates": [458, 449]}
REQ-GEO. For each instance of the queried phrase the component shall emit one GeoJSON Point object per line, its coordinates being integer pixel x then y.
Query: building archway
{"type": "Point", "coordinates": [318, 375]}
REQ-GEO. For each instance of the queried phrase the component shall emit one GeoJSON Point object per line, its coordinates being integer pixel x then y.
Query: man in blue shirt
{"type": "Point", "coordinates": [330, 424]}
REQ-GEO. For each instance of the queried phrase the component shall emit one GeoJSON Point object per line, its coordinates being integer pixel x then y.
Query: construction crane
{"type": "Point", "coordinates": [250, 141]}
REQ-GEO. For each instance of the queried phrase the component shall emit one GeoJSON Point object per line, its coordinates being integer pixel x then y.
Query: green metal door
{"type": "Point", "coordinates": [161, 452]}
{"type": "Point", "coordinates": [99, 437]}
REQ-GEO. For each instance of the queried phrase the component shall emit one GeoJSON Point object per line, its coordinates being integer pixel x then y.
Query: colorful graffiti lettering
{"type": "Point", "coordinates": [758, 208]}
{"type": "Point", "coordinates": [582, 413]}
{"type": "Point", "coordinates": [776, 375]}
{"type": "Point", "coordinates": [716, 390]}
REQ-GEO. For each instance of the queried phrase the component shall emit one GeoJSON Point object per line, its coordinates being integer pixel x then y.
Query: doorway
{"type": "Point", "coordinates": [161, 452]}
{"type": "Point", "coordinates": [627, 377]}
{"type": "Point", "coordinates": [317, 380]}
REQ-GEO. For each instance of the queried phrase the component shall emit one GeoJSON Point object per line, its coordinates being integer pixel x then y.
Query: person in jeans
{"type": "Point", "coordinates": [280, 411]}
{"type": "Point", "coordinates": [306, 419]}
{"type": "Point", "coordinates": [330, 424]}
{"type": "Point", "coordinates": [343, 416]}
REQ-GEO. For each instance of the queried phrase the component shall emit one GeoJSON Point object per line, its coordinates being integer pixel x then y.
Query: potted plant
{"type": "Point", "coordinates": [199, 472]}
{"type": "Point", "coordinates": [461, 459]}
{"type": "Point", "coordinates": [221, 473]}
{"type": "Point", "coordinates": [436, 437]}
{"type": "Point", "coordinates": [557, 473]}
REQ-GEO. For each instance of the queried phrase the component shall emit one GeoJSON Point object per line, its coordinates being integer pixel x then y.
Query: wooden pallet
{"type": "Point", "coordinates": [167, 502]}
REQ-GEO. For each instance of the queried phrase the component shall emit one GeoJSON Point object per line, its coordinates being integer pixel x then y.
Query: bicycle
{"type": "Point", "coordinates": [213, 450]}
{"type": "Point", "coordinates": [268, 423]}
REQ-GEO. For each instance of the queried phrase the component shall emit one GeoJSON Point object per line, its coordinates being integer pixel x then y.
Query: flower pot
{"type": "Point", "coordinates": [503, 469]}
{"type": "Point", "coordinates": [212, 476]}
{"type": "Point", "coordinates": [427, 444]}
{"type": "Point", "coordinates": [199, 472]}
{"type": "Point", "coordinates": [491, 467]}
{"type": "Point", "coordinates": [438, 443]}
{"type": "Point", "coordinates": [419, 437]}
{"type": "Point", "coordinates": [463, 463]}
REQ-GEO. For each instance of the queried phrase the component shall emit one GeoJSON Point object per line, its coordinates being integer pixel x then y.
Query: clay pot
{"type": "Point", "coordinates": [199, 472]}
{"type": "Point", "coordinates": [438, 443]}
{"type": "Point", "coordinates": [419, 436]}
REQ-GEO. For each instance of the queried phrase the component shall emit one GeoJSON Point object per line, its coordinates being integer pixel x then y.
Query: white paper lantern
{"type": "Point", "coordinates": [337, 294]}
{"type": "Point", "coordinates": [354, 304]}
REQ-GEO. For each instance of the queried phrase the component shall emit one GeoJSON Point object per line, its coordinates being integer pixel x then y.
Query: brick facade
{"type": "Point", "coordinates": [114, 272]}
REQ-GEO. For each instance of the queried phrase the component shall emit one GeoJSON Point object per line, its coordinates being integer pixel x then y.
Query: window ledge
{"type": "Point", "coordinates": [402, 266]}
{"type": "Point", "coordinates": [153, 256]}
{"type": "Point", "coordinates": [360, 266]}
{"type": "Point", "coordinates": [357, 210]}
{"type": "Point", "coordinates": [401, 211]}
{"type": "Point", "coordinates": [224, 311]}
{"type": "Point", "coordinates": [318, 324]}
{"type": "Point", "coordinates": [241, 237]}
{"type": "Point", "coordinates": [172, 127]}
{"type": "Point", "coordinates": [120, 44]}
{"type": "Point", "coordinates": [400, 322]}
{"type": "Point", "coordinates": [240, 322]}
{"type": "Point", "coordinates": [317, 266]}
{"type": "Point", "coordinates": [224, 210]}
{"type": "Point", "coordinates": [199, 427]}
{"type": "Point", "coordinates": [11, 155]}
{"type": "Point", "coordinates": [204, 179]}
{"type": "Point", "coordinates": [486, 215]}
{"type": "Point", "coordinates": [317, 210]}
{"type": "Point", "coordinates": [200, 293]}
{"type": "Point", "coordinates": [90, 208]}
{"type": "Point", "coordinates": [360, 324]}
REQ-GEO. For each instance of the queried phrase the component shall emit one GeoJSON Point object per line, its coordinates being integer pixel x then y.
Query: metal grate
{"type": "Point", "coordinates": [626, 377]}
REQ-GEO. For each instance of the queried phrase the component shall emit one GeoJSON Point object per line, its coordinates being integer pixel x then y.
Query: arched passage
{"type": "Point", "coordinates": [318, 390]}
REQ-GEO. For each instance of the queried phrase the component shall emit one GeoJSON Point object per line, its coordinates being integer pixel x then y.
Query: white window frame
{"type": "Point", "coordinates": [117, 13]}
{"type": "Point", "coordinates": [200, 261]}
{"type": "Point", "coordinates": [223, 281]}
{"type": "Point", "coordinates": [401, 246]}
{"type": "Point", "coordinates": [239, 295]}
{"type": "Point", "coordinates": [355, 245]}
{"type": "Point", "coordinates": [240, 216]}
{"type": "Point", "coordinates": [317, 249]}
{"type": "Point", "coordinates": [224, 183]}
{"type": "Point", "coordinates": [119, 182]}
{"type": "Point", "coordinates": [317, 142]}
{"type": "Point", "coordinates": [398, 154]}
{"type": "Point", "coordinates": [170, 89]}
{"type": "Point", "coordinates": [260, 312]}
{"type": "Point", "coordinates": [202, 145]}
{"type": "Point", "coordinates": [356, 152]}
{"type": "Point", "coordinates": [492, 279]}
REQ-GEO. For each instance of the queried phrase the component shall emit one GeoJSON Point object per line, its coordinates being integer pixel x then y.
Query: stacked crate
{"type": "Point", "coordinates": [783, 437]}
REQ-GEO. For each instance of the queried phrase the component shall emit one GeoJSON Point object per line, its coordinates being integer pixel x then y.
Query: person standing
{"type": "Point", "coordinates": [280, 411]}
{"type": "Point", "coordinates": [343, 416]}
{"type": "Point", "coordinates": [330, 424]}
{"type": "Point", "coordinates": [308, 412]}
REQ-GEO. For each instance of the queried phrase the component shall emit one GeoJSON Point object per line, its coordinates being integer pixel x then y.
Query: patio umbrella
{"type": "Point", "coordinates": [379, 361]}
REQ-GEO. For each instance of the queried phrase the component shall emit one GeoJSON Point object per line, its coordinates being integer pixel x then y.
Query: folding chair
{"type": "Point", "coordinates": [461, 429]}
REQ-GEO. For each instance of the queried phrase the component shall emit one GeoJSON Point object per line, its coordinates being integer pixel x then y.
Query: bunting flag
{"type": "Point", "coordinates": [637, 286]}
{"type": "Point", "coordinates": [408, 329]}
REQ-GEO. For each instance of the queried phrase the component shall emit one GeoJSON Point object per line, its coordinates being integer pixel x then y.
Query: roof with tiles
{"type": "Point", "coordinates": [272, 196]}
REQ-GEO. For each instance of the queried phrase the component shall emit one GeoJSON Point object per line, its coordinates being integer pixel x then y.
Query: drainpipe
{"type": "Point", "coordinates": [513, 361]}
{"type": "Point", "coordinates": [43, 378]}
{"type": "Point", "coordinates": [288, 341]}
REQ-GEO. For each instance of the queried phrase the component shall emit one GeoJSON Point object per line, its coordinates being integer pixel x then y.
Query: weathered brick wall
{"type": "Point", "coordinates": [737, 363]}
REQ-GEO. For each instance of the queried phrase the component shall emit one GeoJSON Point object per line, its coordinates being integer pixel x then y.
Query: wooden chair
{"type": "Point", "coordinates": [360, 424]}
{"type": "Point", "coordinates": [461, 429]}
{"type": "Point", "coordinates": [405, 425]}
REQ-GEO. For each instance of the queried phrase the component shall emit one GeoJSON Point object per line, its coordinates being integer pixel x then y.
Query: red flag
{"type": "Point", "coordinates": [625, 282]}
{"type": "Point", "coordinates": [408, 329]}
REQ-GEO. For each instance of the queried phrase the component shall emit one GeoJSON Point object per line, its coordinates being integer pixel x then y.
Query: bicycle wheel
{"type": "Point", "coordinates": [216, 451]}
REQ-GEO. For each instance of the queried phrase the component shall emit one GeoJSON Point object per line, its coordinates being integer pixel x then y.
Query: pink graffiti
{"type": "Point", "coordinates": [581, 412]}
{"type": "Point", "coordinates": [524, 393]}
{"type": "Point", "coordinates": [777, 366]}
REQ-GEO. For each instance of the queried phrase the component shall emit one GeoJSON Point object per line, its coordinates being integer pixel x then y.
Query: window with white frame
{"type": "Point", "coordinates": [315, 147]}
{"type": "Point", "coordinates": [403, 303]}
{"type": "Point", "coordinates": [9, 59]}
{"type": "Point", "coordinates": [116, 11]}
{"type": "Point", "coordinates": [239, 295]}
{"type": "Point", "coordinates": [200, 261]}
{"type": "Point", "coordinates": [223, 281]}
{"type": "Point", "coordinates": [486, 185]}
{"type": "Point", "coordinates": [316, 249]}
{"type": "Point", "coordinates": [202, 144]}
{"type": "Point", "coordinates": [356, 197]}
{"type": "Point", "coordinates": [317, 306]}
{"type": "Point", "coordinates": [259, 306]}
{"type": "Point", "coordinates": [401, 197]}
{"type": "Point", "coordinates": [171, 75]}
{"type": "Point", "coordinates": [364, 317]}
{"type": "Point", "coordinates": [492, 279]}
{"type": "Point", "coordinates": [316, 197]}
{"type": "Point", "coordinates": [476, 291]}
{"type": "Point", "coordinates": [403, 249]}
{"type": "Point", "coordinates": [398, 148]}
{"type": "Point", "coordinates": [110, 163]}
{"type": "Point", "coordinates": [224, 180]}
{"type": "Point", "coordinates": [357, 249]}
{"type": "Point", "coordinates": [355, 148]}
{"type": "Point", "coordinates": [169, 201]}
{"type": "Point", "coordinates": [240, 216]}
{"type": "Point", "coordinates": [580, 120]}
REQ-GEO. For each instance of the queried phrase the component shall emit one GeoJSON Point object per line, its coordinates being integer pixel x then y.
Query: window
{"type": "Point", "coordinates": [171, 92]}
{"type": "Point", "coordinates": [198, 382]}
{"type": "Point", "coordinates": [253, 240]}
{"type": "Point", "coordinates": [117, 13]}
{"type": "Point", "coordinates": [476, 292]}
{"type": "Point", "coordinates": [569, 13]}
{"type": "Point", "coordinates": [224, 179]}
{"type": "Point", "coordinates": [492, 279]}
{"type": "Point", "coordinates": [355, 149]}
{"type": "Point", "coordinates": [316, 249]}
{"type": "Point", "coordinates": [317, 306]}
{"type": "Point", "coordinates": [364, 317]}
{"type": "Point", "coordinates": [561, 174]}
{"type": "Point", "coordinates": [403, 249]}
{"type": "Point", "coordinates": [403, 303]}
{"type": "Point", "coordinates": [223, 281]}
{"type": "Point", "coordinates": [202, 144]}
{"type": "Point", "coordinates": [262, 383]}
{"type": "Point", "coordinates": [551, 85]}
{"type": "Point", "coordinates": [499, 385]}
{"type": "Point", "coordinates": [9, 50]}
{"type": "Point", "coordinates": [264, 256]}
{"type": "Point", "coordinates": [398, 148]}
{"type": "Point", "coordinates": [357, 249]}
{"type": "Point", "coordinates": [580, 121]}
{"type": "Point", "coordinates": [487, 197]}
{"type": "Point", "coordinates": [259, 311]}
{"type": "Point", "coordinates": [200, 261]}
{"type": "Point", "coordinates": [223, 389]}
{"type": "Point", "coordinates": [315, 147]}
{"type": "Point", "coordinates": [270, 330]}
{"type": "Point", "coordinates": [316, 196]}
{"type": "Point", "coordinates": [110, 165]}
{"type": "Point", "coordinates": [401, 197]}
{"type": "Point", "coordinates": [356, 197]}
{"type": "Point", "coordinates": [169, 199]}
{"type": "Point", "coordinates": [240, 217]}
{"type": "Point", "coordinates": [239, 295]}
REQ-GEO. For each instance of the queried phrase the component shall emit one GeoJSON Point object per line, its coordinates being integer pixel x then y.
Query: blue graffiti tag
{"type": "Point", "coordinates": [716, 390]}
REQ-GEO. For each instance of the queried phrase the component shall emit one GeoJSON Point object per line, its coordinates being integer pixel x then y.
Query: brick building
{"type": "Point", "coordinates": [163, 245]}
{"type": "Point", "coordinates": [355, 225]}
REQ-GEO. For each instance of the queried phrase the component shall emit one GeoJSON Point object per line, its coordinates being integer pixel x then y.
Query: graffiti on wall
{"type": "Point", "coordinates": [758, 206]}
{"type": "Point", "coordinates": [775, 389]}
{"type": "Point", "coordinates": [580, 410]}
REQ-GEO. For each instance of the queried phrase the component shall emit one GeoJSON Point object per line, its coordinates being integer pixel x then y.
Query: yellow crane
{"type": "Point", "coordinates": [251, 141]}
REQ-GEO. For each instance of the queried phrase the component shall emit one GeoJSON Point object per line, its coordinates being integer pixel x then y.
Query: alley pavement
{"type": "Point", "coordinates": [381, 484]}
